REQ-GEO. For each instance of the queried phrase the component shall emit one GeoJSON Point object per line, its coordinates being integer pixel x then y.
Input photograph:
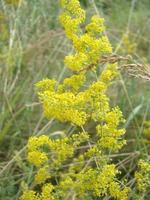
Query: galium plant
{"type": "Point", "coordinates": [77, 165]}
{"type": "Point", "coordinates": [142, 176]}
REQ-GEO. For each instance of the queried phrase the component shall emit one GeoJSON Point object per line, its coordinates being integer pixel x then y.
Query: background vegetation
{"type": "Point", "coordinates": [32, 47]}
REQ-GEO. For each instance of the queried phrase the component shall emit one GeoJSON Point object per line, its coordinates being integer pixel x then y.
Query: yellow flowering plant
{"type": "Point", "coordinates": [77, 165]}
{"type": "Point", "coordinates": [142, 176]}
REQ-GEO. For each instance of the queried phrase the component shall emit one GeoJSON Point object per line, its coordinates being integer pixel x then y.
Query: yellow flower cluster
{"type": "Point", "coordinates": [77, 165]}
{"type": "Point", "coordinates": [29, 195]}
{"type": "Point", "coordinates": [42, 158]}
{"type": "Point", "coordinates": [34, 145]}
{"type": "Point", "coordinates": [109, 134]}
{"type": "Point", "coordinates": [142, 176]}
{"type": "Point", "coordinates": [46, 194]}
{"type": "Point", "coordinates": [114, 189]}
{"type": "Point", "coordinates": [109, 73]}
{"type": "Point", "coordinates": [75, 82]}
{"type": "Point", "coordinates": [88, 51]}
{"type": "Point", "coordinates": [46, 84]}
{"type": "Point", "coordinates": [96, 97]}
{"type": "Point", "coordinates": [64, 100]}
{"type": "Point", "coordinates": [90, 46]}
{"type": "Point", "coordinates": [96, 26]}
{"type": "Point", "coordinates": [74, 9]}
{"type": "Point", "coordinates": [56, 148]}
{"type": "Point", "coordinates": [42, 175]}
{"type": "Point", "coordinates": [76, 62]}
{"type": "Point", "coordinates": [72, 17]}
{"type": "Point", "coordinates": [65, 107]}
{"type": "Point", "coordinates": [99, 183]}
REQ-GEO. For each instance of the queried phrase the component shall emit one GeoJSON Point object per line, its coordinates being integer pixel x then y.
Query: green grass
{"type": "Point", "coordinates": [34, 50]}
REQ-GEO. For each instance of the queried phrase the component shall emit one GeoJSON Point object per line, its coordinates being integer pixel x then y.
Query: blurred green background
{"type": "Point", "coordinates": [32, 47]}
